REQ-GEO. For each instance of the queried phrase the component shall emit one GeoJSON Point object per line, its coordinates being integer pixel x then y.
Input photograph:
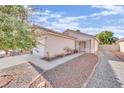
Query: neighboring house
{"type": "Point", "coordinates": [53, 43]}
{"type": "Point", "coordinates": [84, 42]}
{"type": "Point", "coordinates": [121, 44]}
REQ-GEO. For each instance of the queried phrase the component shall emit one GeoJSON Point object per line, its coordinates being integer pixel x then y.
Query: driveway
{"type": "Point", "coordinates": [105, 76]}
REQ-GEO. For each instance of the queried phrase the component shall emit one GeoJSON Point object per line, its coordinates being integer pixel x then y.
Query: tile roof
{"type": "Point", "coordinates": [81, 34]}
{"type": "Point", "coordinates": [51, 31]}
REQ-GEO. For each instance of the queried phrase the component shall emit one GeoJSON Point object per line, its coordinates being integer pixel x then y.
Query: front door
{"type": "Point", "coordinates": [82, 46]}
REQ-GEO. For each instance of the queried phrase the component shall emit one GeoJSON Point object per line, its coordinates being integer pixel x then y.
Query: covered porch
{"type": "Point", "coordinates": [87, 46]}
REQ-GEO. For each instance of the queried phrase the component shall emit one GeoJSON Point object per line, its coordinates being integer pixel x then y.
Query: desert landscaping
{"type": "Point", "coordinates": [41, 47]}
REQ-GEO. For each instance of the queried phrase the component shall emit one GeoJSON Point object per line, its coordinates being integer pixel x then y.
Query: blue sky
{"type": "Point", "coordinates": [88, 19]}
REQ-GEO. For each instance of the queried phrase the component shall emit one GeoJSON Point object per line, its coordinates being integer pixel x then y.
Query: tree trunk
{"type": "Point", "coordinates": [6, 53]}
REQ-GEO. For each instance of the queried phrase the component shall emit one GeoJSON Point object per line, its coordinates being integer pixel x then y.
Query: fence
{"type": "Point", "coordinates": [114, 47]}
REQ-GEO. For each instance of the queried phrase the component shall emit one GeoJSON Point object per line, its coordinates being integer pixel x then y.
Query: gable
{"type": "Point", "coordinates": [41, 31]}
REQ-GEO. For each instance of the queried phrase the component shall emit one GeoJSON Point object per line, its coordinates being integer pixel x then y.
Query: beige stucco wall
{"type": "Point", "coordinates": [92, 45]}
{"type": "Point", "coordinates": [56, 45]}
{"type": "Point", "coordinates": [77, 45]}
{"type": "Point", "coordinates": [39, 50]}
{"type": "Point", "coordinates": [93, 48]}
{"type": "Point", "coordinates": [96, 45]}
{"type": "Point", "coordinates": [88, 46]}
{"type": "Point", "coordinates": [121, 46]}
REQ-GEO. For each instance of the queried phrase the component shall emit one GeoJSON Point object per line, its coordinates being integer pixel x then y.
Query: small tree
{"type": "Point", "coordinates": [106, 37]}
{"type": "Point", "coordinates": [14, 31]}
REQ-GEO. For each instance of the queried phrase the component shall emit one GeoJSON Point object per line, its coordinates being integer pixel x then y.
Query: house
{"type": "Point", "coordinates": [52, 43]}
{"type": "Point", "coordinates": [84, 42]}
{"type": "Point", "coordinates": [121, 44]}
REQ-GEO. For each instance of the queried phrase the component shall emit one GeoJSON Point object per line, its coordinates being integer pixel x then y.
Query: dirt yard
{"type": "Point", "coordinates": [72, 74]}
{"type": "Point", "coordinates": [18, 76]}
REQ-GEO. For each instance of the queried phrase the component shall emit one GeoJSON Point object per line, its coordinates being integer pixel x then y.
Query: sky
{"type": "Point", "coordinates": [90, 19]}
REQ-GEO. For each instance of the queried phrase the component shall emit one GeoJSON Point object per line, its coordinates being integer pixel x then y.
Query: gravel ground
{"type": "Point", "coordinates": [120, 55]}
{"type": "Point", "coordinates": [22, 74]}
{"type": "Point", "coordinates": [118, 68]}
{"type": "Point", "coordinates": [104, 76]}
{"type": "Point", "coordinates": [40, 80]}
{"type": "Point", "coordinates": [72, 74]}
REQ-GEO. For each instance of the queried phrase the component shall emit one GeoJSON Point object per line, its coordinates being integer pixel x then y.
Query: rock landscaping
{"type": "Point", "coordinates": [18, 76]}
{"type": "Point", "coordinates": [104, 76]}
{"type": "Point", "coordinates": [72, 74]}
{"type": "Point", "coordinates": [40, 82]}
{"type": "Point", "coordinates": [5, 80]}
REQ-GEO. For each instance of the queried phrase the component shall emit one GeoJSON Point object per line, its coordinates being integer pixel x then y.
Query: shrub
{"type": "Point", "coordinates": [68, 50]}
{"type": "Point", "coordinates": [75, 51]}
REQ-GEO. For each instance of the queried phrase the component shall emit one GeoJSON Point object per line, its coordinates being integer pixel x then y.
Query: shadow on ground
{"type": "Point", "coordinates": [37, 68]}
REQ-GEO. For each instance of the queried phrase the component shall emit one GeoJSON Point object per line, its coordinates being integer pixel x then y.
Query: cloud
{"type": "Point", "coordinates": [104, 13]}
{"type": "Point", "coordinates": [46, 12]}
{"type": "Point", "coordinates": [71, 19]}
{"type": "Point", "coordinates": [117, 30]}
{"type": "Point", "coordinates": [63, 26]}
{"type": "Point", "coordinates": [59, 22]}
{"type": "Point", "coordinates": [108, 10]}
{"type": "Point", "coordinates": [42, 16]}
{"type": "Point", "coordinates": [109, 7]}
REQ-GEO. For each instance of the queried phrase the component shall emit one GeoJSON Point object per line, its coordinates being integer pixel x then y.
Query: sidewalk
{"type": "Point", "coordinates": [17, 60]}
{"type": "Point", "coordinates": [13, 60]}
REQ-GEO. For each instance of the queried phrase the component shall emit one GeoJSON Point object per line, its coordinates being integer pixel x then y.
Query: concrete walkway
{"type": "Point", "coordinates": [12, 61]}
{"type": "Point", "coordinates": [16, 60]}
{"type": "Point", "coordinates": [45, 65]}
